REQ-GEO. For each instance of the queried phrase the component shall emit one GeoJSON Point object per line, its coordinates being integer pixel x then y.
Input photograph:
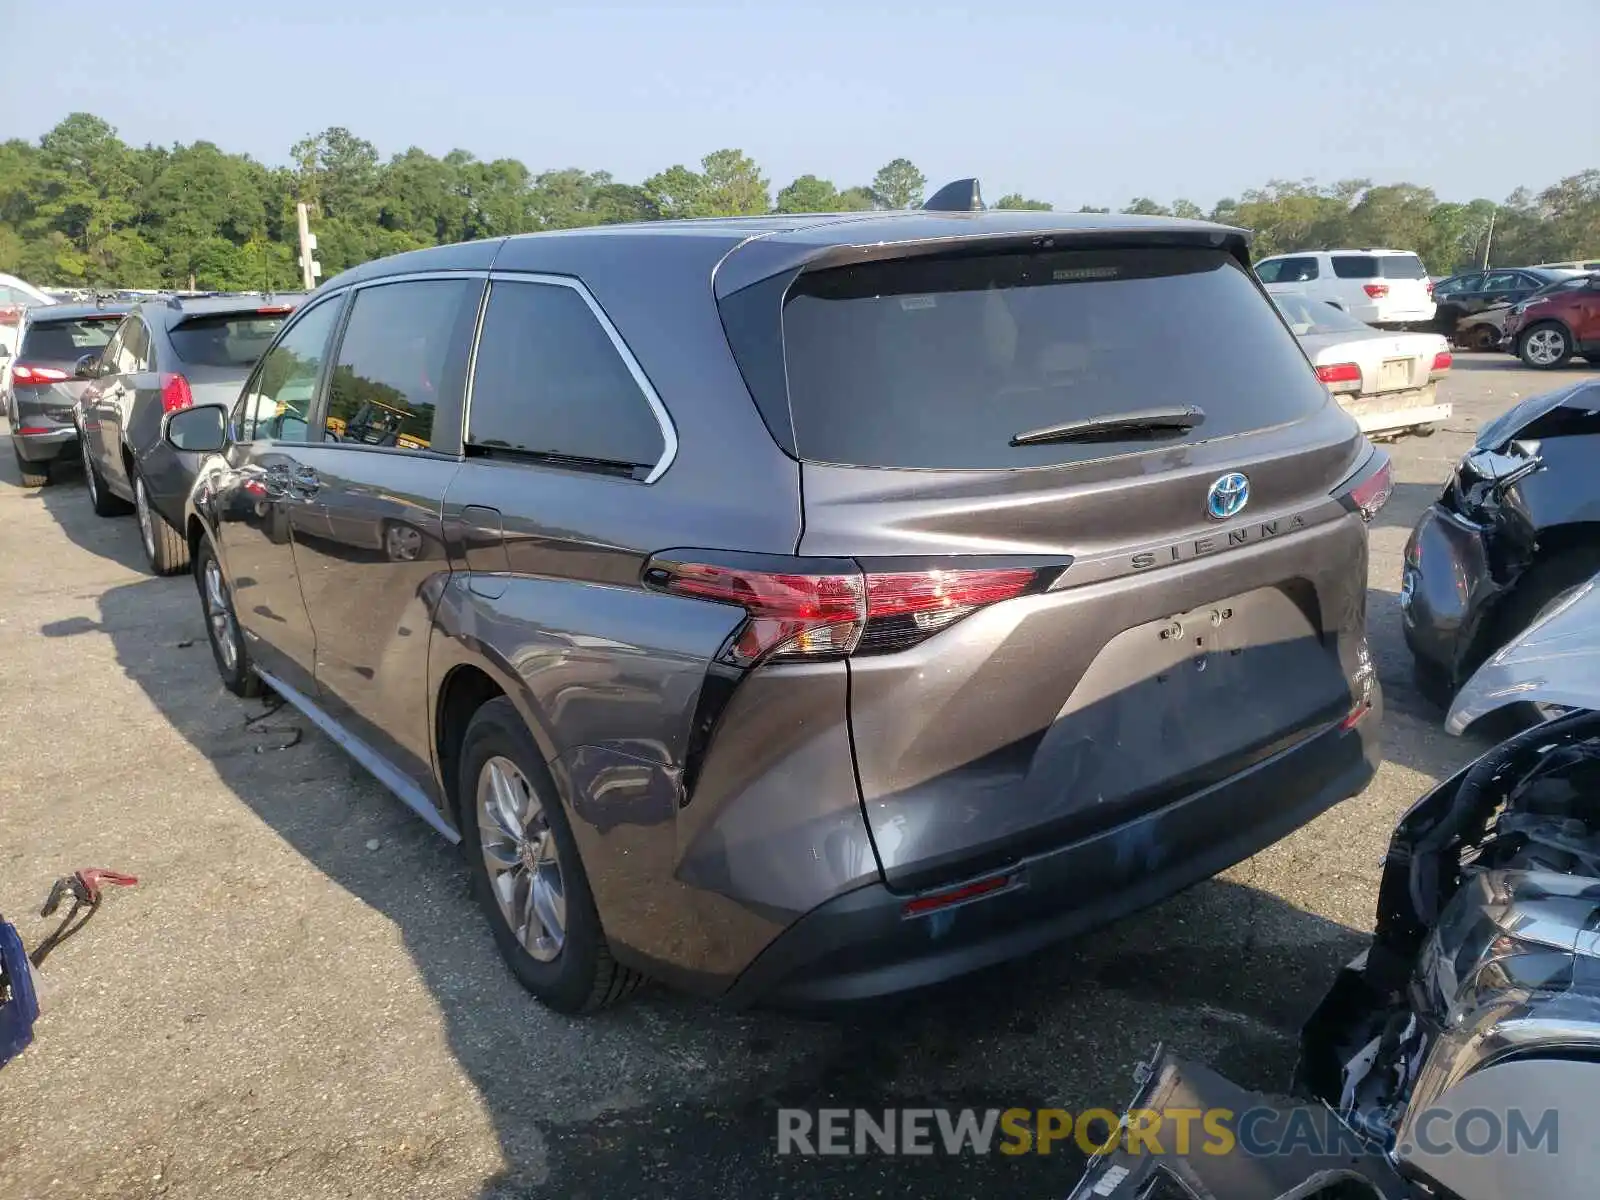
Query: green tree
{"type": "Point", "coordinates": [80, 206]}
{"type": "Point", "coordinates": [1143, 206]}
{"type": "Point", "coordinates": [808, 194]}
{"type": "Point", "coordinates": [677, 192]}
{"type": "Point", "coordinates": [87, 196]}
{"type": "Point", "coordinates": [898, 184]}
{"type": "Point", "coordinates": [1015, 200]}
{"type": "Point", "coordinates": [1188, 210]}
{"type": "Point", "coordinates": [734, 186]}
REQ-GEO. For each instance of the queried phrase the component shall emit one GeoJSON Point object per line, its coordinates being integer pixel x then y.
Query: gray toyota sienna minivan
{"type": "Point", "coordinates": [806, 607]}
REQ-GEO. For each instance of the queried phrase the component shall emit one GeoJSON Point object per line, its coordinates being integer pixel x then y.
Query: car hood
{"type": "Point", "coordinates": [1556, 660]}
{"type": "Point", "coordinates": [1584, 395]}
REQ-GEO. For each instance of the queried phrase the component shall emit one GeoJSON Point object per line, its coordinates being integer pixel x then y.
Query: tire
{"type": "Point", "coordinates": [1433, 683]}
{"type": "Point", "coordinates": [34, 475]}
{"type": "Point", "coordinates": [101, 499]}
{"type": "Point", "coordinates": [572, 970]}
{"type": "Point", "coordinates": [1424, 430]}
{"type": "Point", "coordinates": [1545, 346]}
{"type": "Point", "coordinates": [164, 546]}
{"type": "Point", "coordinates": [1483, 337]}
{"type": "Point", "coordinates": [216, 602]}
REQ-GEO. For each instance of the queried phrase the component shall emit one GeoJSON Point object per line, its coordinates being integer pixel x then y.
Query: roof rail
{"type": "Point", "coordinates": [963, 195]}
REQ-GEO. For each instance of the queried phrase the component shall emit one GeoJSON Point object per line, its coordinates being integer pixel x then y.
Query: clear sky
{"type": "Point", "coordinates": [1069, 102]}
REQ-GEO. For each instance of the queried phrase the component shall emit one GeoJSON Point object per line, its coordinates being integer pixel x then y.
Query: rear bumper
{"type": "Point", "coordinates": [1445, 591]}
{"type": "Point", "coordinates": [859, 945]}
{"type": "Point", "coordinates": [45, 447]}
{"type": "Point", "coordinates": [1396, 410]}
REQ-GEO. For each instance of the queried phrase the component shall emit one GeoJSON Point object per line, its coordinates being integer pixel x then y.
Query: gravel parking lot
{"type": "Point", "coordinates": [299, 999]}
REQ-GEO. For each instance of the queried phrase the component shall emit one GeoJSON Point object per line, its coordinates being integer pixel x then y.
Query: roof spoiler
{"type": "Point", "coordinates": [963, 195]}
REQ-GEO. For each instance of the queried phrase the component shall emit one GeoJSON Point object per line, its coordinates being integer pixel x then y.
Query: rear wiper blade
{"type": "Point", "coordinates": [1174, 419]}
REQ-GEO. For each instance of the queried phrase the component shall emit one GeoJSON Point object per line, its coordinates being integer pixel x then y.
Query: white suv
{"type": "Point", "coordinates": [1379, 287]}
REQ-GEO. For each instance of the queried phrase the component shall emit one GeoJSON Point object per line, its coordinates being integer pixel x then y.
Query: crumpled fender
{"type": "Point", "coordinates": [1556, 660]}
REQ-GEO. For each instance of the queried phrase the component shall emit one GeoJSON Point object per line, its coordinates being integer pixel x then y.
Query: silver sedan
{"type": "Point", "coordinates": [1386, 381]}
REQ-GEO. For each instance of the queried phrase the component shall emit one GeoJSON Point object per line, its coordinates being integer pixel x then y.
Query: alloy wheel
{"type": "Point", "coordinates": [1546, 346]}
{"type": "Point", "coordinates": [519, 851]}
{"type": "Point", "coordinates": [219, 615]}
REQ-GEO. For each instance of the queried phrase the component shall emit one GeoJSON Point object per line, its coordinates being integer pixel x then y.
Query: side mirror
{"type": "Point", "coordinates": [87, 367]}
{"type": "Point", "coordinates": [203, 428]}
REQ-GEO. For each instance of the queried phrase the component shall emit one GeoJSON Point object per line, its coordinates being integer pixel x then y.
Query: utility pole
{"type": "Point", "coordinates": [310, 268]}
{"type": "Point", "coordinates": [1488, 238]}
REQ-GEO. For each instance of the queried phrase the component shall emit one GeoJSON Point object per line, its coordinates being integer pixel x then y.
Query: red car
{"type": "Point", "coordinates": [1547, 329]}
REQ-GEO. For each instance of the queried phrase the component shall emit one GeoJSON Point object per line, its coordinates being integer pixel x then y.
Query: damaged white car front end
{"type": "Point", "coordinates": [1460, 1055]}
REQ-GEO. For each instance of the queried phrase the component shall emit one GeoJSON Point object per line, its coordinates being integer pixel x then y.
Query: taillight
{"type": "Point", "coordinates": [904, 607]}
{"type": "Point", "coordinates": [31, 375]}
{"type": "Point", "coordinates": [274, 310]}
{"type": "Point", "coordinates": [791, 615]}
{"type": "Point", "coordinates": [175, 393]}
{"type": "Point", "coordinates": [1371, 491]}
{"type": "Point", "coordinates": [1341, 377]}
{"type": "Point", "coordinates": [831, 612]}
{"type": "Point", "coordinates": [1441, 363]}
{"type": "Point", "coordinates": [1376, 290]}
{"type": "Point", "coordinates": [10, 314]}
{"type": "Point", "coordinates": [1429, 286]}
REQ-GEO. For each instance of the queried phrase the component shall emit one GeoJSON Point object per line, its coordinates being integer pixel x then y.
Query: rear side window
{"type": "Point", "coordinates": [1355, 266]}
{"type": "Point", "coordinates": [131, 354]}
{"type": "Point", "coordinates": [939, 362]}
{"type": "Point", "coordinates": [225, 339]}
{"type": "Point", "coordinates": [1288, 270]}
{"type": "Point", "coordinates": [1401, 266]}
{"type": "Point", "coordinates": [67, 341]}
{"type": "Point", "coordinates": [401, 360]}
{"type": "Point", "coordinates": [549, 382]}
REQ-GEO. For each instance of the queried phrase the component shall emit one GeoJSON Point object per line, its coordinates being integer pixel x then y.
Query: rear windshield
{"type": "Point", "coordinates": [1307, 316]}
{"type": "Point", "coordinates": [938, 362]}
{"type": "Point", "coordinates": [227, 339]}
{"type": "Point", "coordinates": [1378, 266]}
{"type": "Point", "coordinates": [67, 341]}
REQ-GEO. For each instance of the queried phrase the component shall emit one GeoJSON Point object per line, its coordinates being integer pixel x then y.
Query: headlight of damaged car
{"type": "Point", "coordinates": [1504, 931]}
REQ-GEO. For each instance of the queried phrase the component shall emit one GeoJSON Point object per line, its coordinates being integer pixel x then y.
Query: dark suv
{"type": "Point", "coordinates": [813, 606]}
{"type": "Point", "coordinates": [44, 381]}
{"type": "Point", "coordinates": [168, 353]}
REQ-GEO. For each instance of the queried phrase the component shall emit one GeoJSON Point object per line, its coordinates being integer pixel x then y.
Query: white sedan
{"type": "Point", "coordinates": [1387, 381]}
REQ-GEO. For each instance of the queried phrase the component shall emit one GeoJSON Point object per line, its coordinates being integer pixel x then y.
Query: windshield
{"type": "Point", "coordinates": [938, 362]}
{"type": "Point", "coordinates": [1315, 316]}
{"type": "Point", "coordinates": [227, 339]}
